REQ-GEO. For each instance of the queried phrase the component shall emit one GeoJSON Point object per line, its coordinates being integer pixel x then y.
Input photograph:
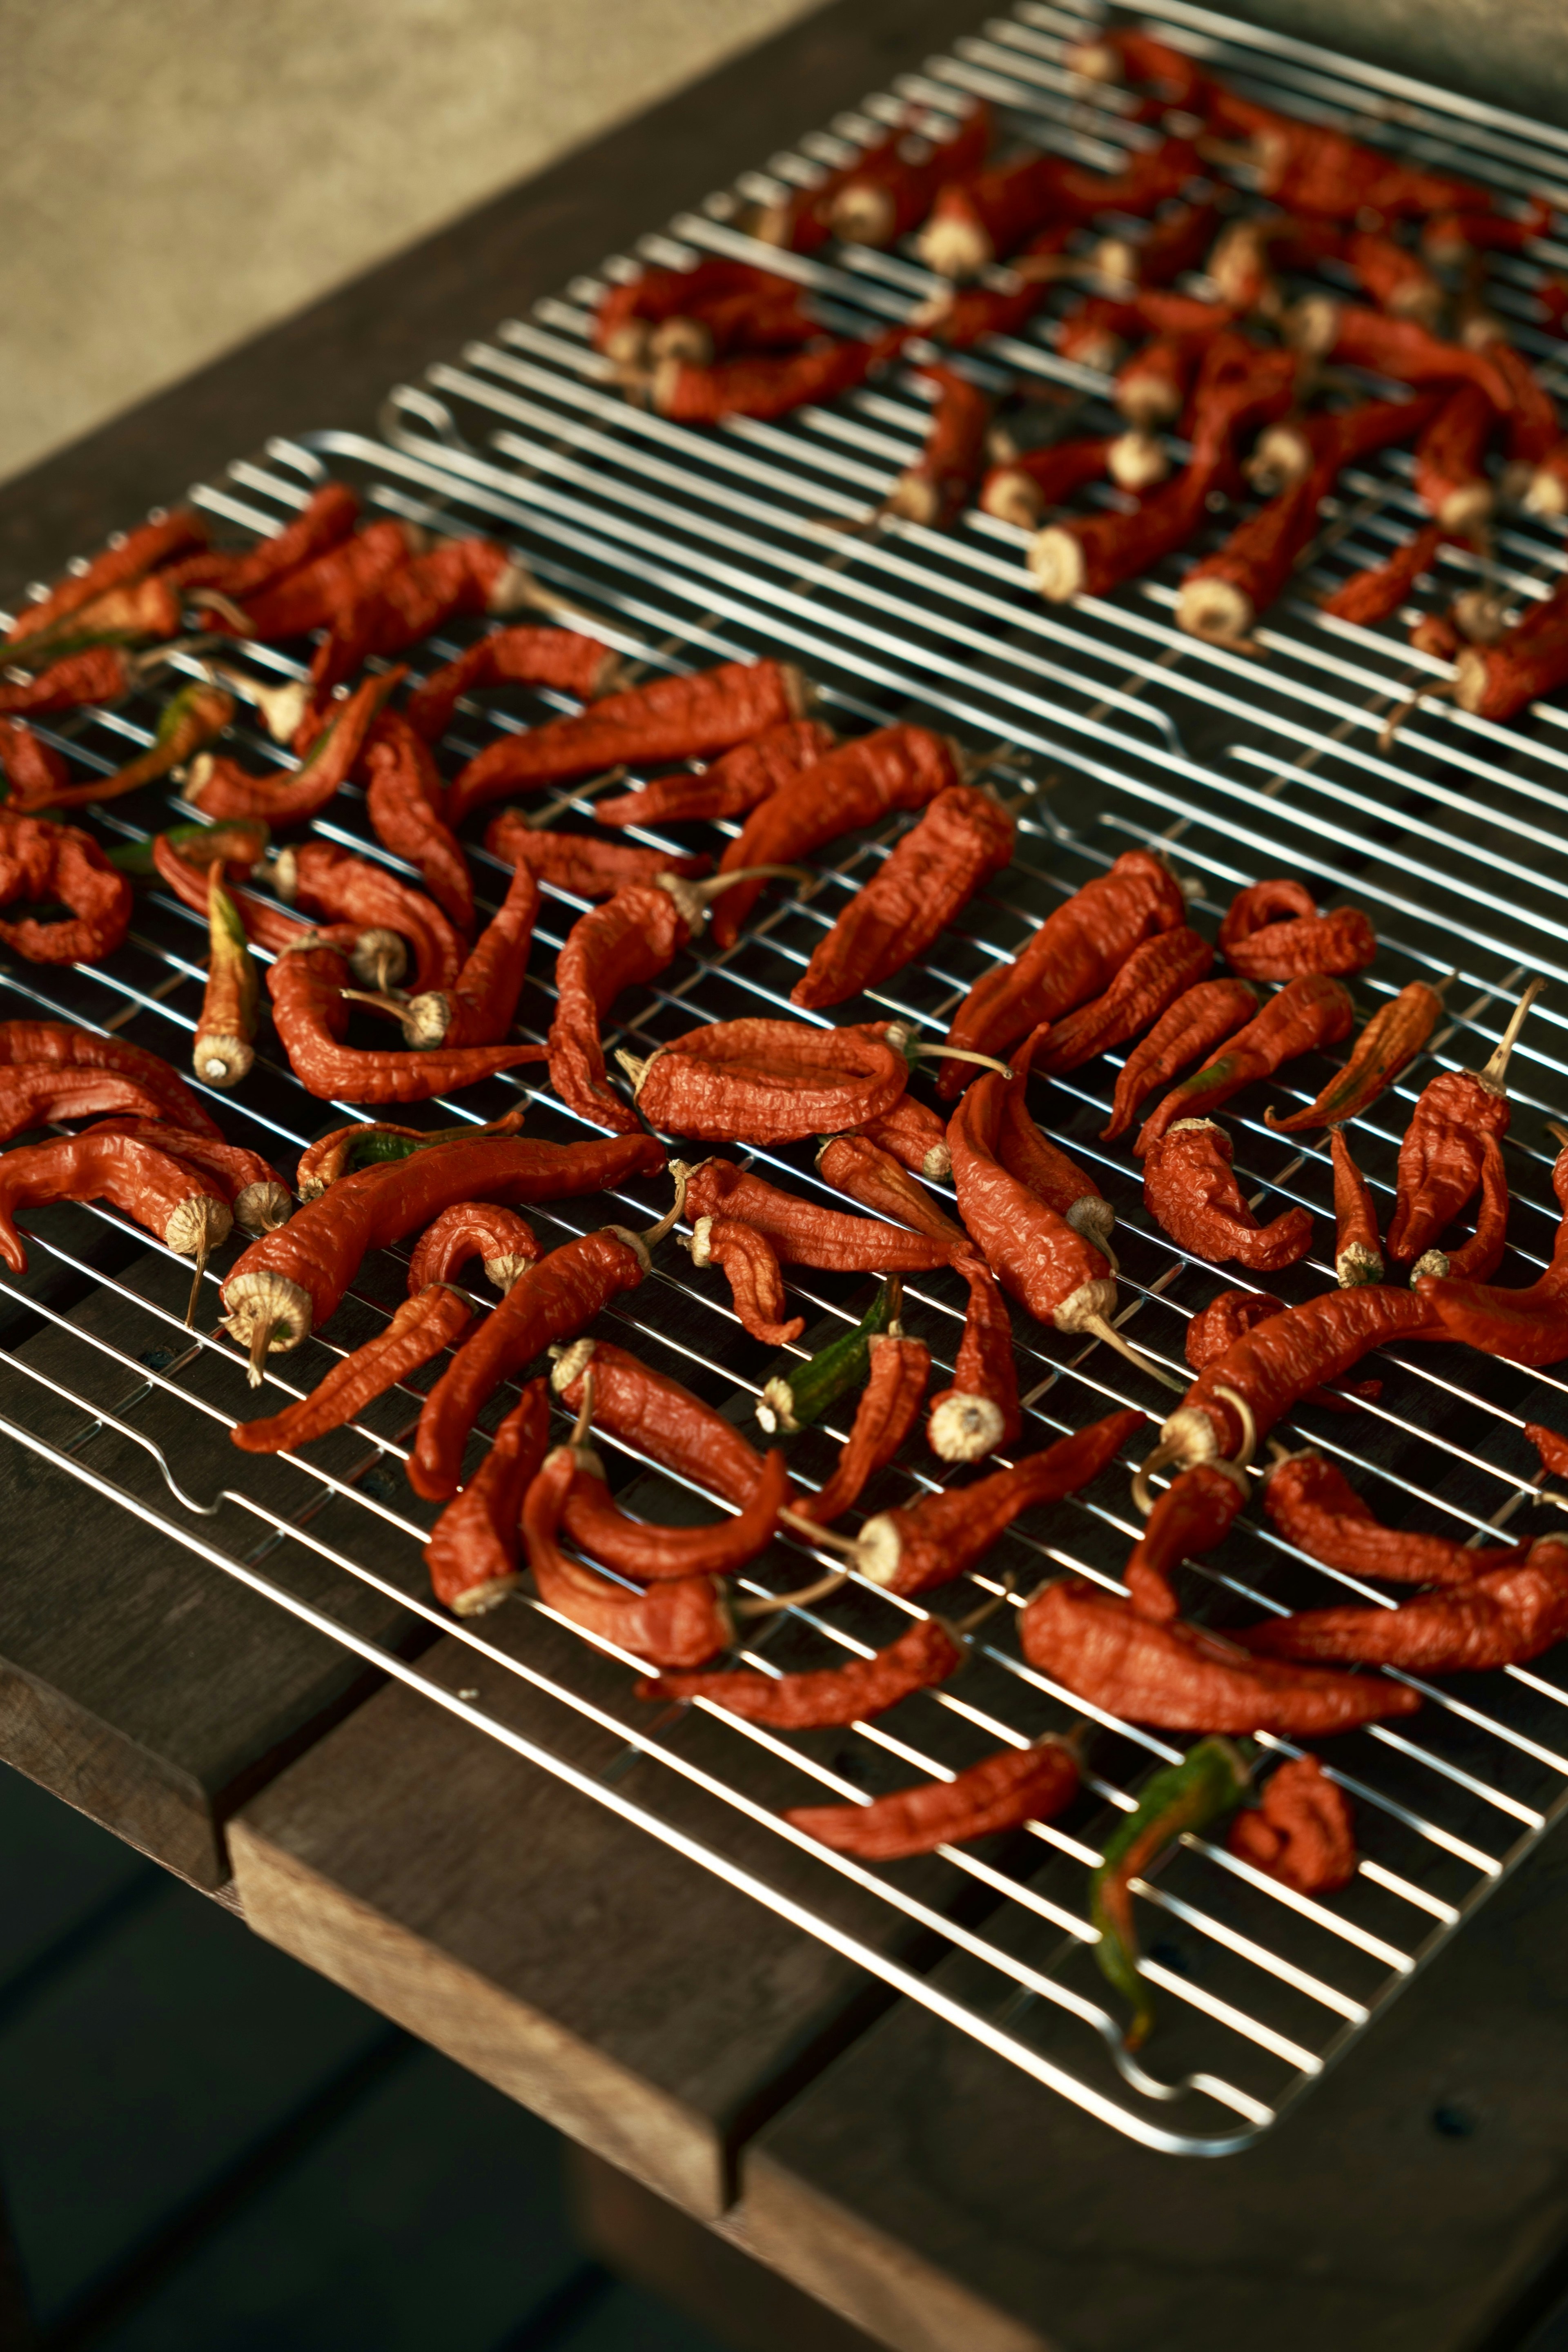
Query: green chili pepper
{"type": "Point", "coordinates": [798, 1398]}
{"type": "Point", "coordinates": [240, 843]}
{"type": "Point", "coordinates": [1210, 1781]}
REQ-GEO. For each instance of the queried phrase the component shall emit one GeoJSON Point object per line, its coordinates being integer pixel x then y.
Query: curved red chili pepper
{"type": "Point", "coordinates": [980, 1412]}
{"type": "Point", "coordinates": [1377, 593]}
{"type": "Point", "coordinates": [942, 1535]}
{"type": "Point", "coordinates": [804, 1232]}
{"type": "Point", "coordinates": [913, 1135]}
{"type": "Point", "coordinates": [889, 1408]}
{"type": "Point", "coordinates": [576, 863]}
{"type": "Point", "coordinates": [35, 775]}
{"type": "Point", "coordinates": [765, 387]}
{"type": "Point", "coordinates": [1149, 984]}
{"type": "Point", "coordinates": [1440, 1157]}
{"type": "Point", "coordinates": [43, 863]}
{"type": "Point", "coordinates": [311, 595]}
{"type": "Point", "coordinates": [526, 657]}
{"type": "Point", "coordinates": [160, 1193]}
{"type": "Point", "coordinates": [457, 576]}
{"type": "Point", "coordinates": [1191, 1191]}
{"type": "Point", "coordinates": [1358, 1254]}
{"type": "Point", "coordinates": [1000, 1793]}
{"type": "Point", "coordinates": [338, 888]}
{"type": "Point", "coordinates": [1075, 955]}
{"type": "Point", "coordinates": [681, 1623]}
{"type": "Point", "coordinates": [285, 1286]}
{"type": "Point", "coordinates": [324, 522]}
{"type": "Point", "coordinates": [120, 566]}
{"type": "Point", "coordinates": [64, 1046]}
{"type": "Point", "coordinates": [1022, 488]}
{"type": "Point", "coordinates": [1394, 1036]}
{"type": "Point", "coordinates": [961, 841]}
{"type": "Point", "coordinates": [103, 674]}
{"type": "Point", "coordinates": [1199, 1020]}
{"type": "Point", "coordinates": [1235, 1312]}
{"type": "Point", "coordinates": [893, 186]}
{"type": "Point", "coordinates": [433, 1318]}
{"type": "Point", "coordinates": [38, 1094]}
{"type": "Point", "coordinates": [221, 789]}
{"type": "Point", "coordinates": [1500, 1619]}
{"type": "Point", "coordinates": [307, 985]}
{"type": "Point", "coordinates": [937, 488]}
{"type": "Point", "coordinates": [1181, 1678]}
{"type": "Point", "coordinates": [346, 1151]}
{"type": "Point", "coordinates": [627, 942]}
{"type": "Point", "coordinates": [402, 799]}
{"type": "Point", "coordinates": [1196, 1512]}
{"type": "Point", "coordinates": [752, 1269]}
{"type": "Point", "coordinates": [1307, 1015]}
{"type": "Point", "coordinates": [1302, 1833]}
{"type": "Point", "coordinates": [502, 1241]}
{"type": "Point", "coordinates": [925, 1655]}
{"type": "Point", "coordinates": [266, 924]}
{"type": "Point", "coordinates": [651, 1554]}
{"type": "Point", "coordinates": [626, 312]}
{"type": "Point", "coordinates": [473, 1552]}
{"type": "Point", "coordinates": [976, 221]}
{"type": "Point", "coordinates": [765, 1081]}
{"type": "Point", "coordinates": [479, 1007]}
{"type": "Point", "coordinates": [1501, 680]}
{"type": "Point", "coordinates": [868, 1173]}
{"type": "Point", "coordinates": [656, 1415]}
{"type": "Point", "coordinates": [1527, 1325]}
{"type": "Point", "coordinates": [259, 1200]}
{"type": "Point", "coordinates": [1450, 460]}
{"type": "Point", "coordinates": [1273, 932]}
{"type": "Point", "coordinates": [684, 717]}
{"type": "Point", "coordinates": [1044, 1169]}
{"type": "Point", "coordinates": [732, 786]}
{"type": "Point", "coordinates": [1315, 1507]}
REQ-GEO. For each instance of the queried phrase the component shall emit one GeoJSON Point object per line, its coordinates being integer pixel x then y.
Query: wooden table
{"type": "Point", "coordinates": [738, 2090]}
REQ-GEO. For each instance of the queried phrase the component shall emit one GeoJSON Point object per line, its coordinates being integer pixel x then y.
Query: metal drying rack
{"type": "Point", "coordinates": [1107, 728]}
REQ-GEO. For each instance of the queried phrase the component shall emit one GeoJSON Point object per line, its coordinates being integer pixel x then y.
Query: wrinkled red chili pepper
{"type": "Point", "coordinates": [458, 576]}
{"type": "Point", "coordinates": [1047, 1171]}
{"type": "Point", "coordinates": [62, 1046]}
{"type": "Point", "coordinates": [473, 1552]}
{"type": "Point", "coordinates": [627, 942]}
{"type": "Point", "coordinates": [1478, 1259]}
{"type": "Point", "coordinates": [977, 221]}
{"type": "Point", "coordinates": [221, 788]}
{"type": "Point", "coordinates": [324, 522]}
{"type": "Point", "coordinates": [732, 786]}
{"type": "Point", "coordinates": [478, 1007]}
{"type": "Point", "coordinates": [374, 1143]}
{"type": "Point", "coordinates": [942, 1535]}
{"type": "Point", "coordinates": [1358, 1251]}
{"type": "Point", "coordinates": [627, 315]}
{"type": "Point", "coordinates": [912, 1134]}
{"type": "Point", "coordinates": [865, 1170]}
{"type": "Point", "coordinates": [174, 858]}
{"type": "Point", "coordinates": [889, 1408]}
{"type": "Point", "coordinates": [196, 714]}
{"type": "Point", "coordinates": [1440, 1157]}
{"type": "Point", "coordinates": [1376, 595]}
{"type": "Point", "coordinates": [765, 1081]}
{"type": "Point", "coordinates": [1201, 1019]}
{"type": "Point", "coordinates": [1527, 1325]}
{"type": "Point", "coordinates": [1150, 386]}
{"type": "Point", "coordinates": [575, 862]}
{"type": "Point", "coordinates": [40, 862]}
{"type": "Point", "coordinates": [1222, 594]}
{"type": "Point", "coordinates": [890, 190]}
{"type": "Point", "coordinates": [767, 388]}
{"type": "Point", "coordinates": [1273, 930]}
{"type": "Point", "coordinates": [307, 986]}
{"type": "Point", "coordinates": [683, 717]}
{"type": "Point", "coordinates": [804, 1232]}
{"type": "Point", "coordinates": [121, 616]}
{"type": "Point", "coordinates": [940, 483]}
{"type": "Point", "coordinates": [37, 1094]}
{"type": "Point", "coordinates": [655, 1555]}
{"type": "Point", "coordinates": [503, 1241]}
{"type": "Point", "coordinates": [980, 1412]}
{"type": "Point", "coordinates": [160, 1193]}
{"type": "Point", "coordinates": [313, 595]}
{"type": "Point", "coordinates": [860, 784]}
{"type": "Point", "coordinates": [1315, 1507]}
{"type": "Point", "coordinates": [1000, 1793]}
{"type": "Point", "coordinates": [103, 674]}
{"type": "Point", "coordinates": [927, 1654]}
{"type": "Point", "coordinates": [660, 1419]}
{"type": "Point", "coordinates": [433, 1318]}
{"type": "Point", "coordinates": [549, 1301]}
{"type": "Point", "coordinates": [1392, 1037]}
{"type": "Point", "coordinates": [1074, 955]}
{"type": "Point", "coordinates": [964, 837]}
{"type": "Point", "coordinates": [1497, 681]}
{"type": "Point", "coordinates": [1499, 1619]}
{"type": "Point", "coordinates": [522, 657]}
{"type": "Point", "coordinates": [1190, 1190]}
{"type": "Point", "coordinates": [1302, 1833]}
{"type": "Point", "coordinates": [1195, 1514]}
{"type": "Point", "coordinates": [1402, 349]}
{"type": "Point", "coordinates": [1023, 487]}
{"type": "Point", "coordinates": [1286, 452]}
{"type": "Point", "coordinates": [287, 1286]}
{"type": "Point", "coordinates": [338, 888]}
{"type": "Point", "coordinates": [403, 798]}
{"type": "Point", "coordinates": [120, 565]}
{"type": "Point", "coordinates": [1181, 1678]}
{"type": "Point", "coordinates": [35, 775]}
{"type": "Point", "coordinates": [1225, 1318]}
{"type": "Point", "coordinates": [751, 1266]}
{"type": "Point", "coordinates": [260, 1202]}
{"type": "Point", "coordinates": [1307, 1015]}
{"type": "Point", "coordinates": [1154, 975]}
{"type": "Point", "coordinates": [1450, 477]}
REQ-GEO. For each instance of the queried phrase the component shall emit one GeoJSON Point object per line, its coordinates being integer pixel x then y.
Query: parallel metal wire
{"type": "Point", "coordinates": [1106, 728]}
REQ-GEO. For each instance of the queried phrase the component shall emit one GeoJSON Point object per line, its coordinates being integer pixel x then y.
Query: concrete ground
{"type": "Point", "coordinates": [177, 174]}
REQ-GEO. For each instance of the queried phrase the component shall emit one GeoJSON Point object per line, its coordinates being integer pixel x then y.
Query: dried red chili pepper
{"type": "Point", "coordinates": [866, 1170]}
{"type": "Point", "coordinates": [375, 1143]}
{"type": "Point", "coordinates": [1376, 595]}
{"type": "Point", "coordinates": [1302, 1833]}
{"type": "Point", "coordinates": [1315, 1507]}
{"type": "Point", "coordinates": [889, 1408]}
{"type": "Point", "coordinates": [1527, 1325]}
{"type": "Point", "coordinates": [103, 674]}
{"type": "Point", "coordinates": [1195, 1514]}
{"type": "Point", "coordinates": [124, 562]}
{"type": "Point", "coordinates": [260, 1202]}
{"type": "Point", "coordinates": [403, 798]}
{"type": "Point", "coordinates": [478, 1007]}
{"type": "Point", "coordinates": [804, 1232]}
{"type": "Point", "coordinates": [1046, 1171]}
{"type": "Point", "coordinates": [549, 1301]}
{"type": "Point", "coordinates": [196, 714]}
{"type": "Point", "coordinates": [976, 221]}
{"type": "Point", "coordinates": [628, 314]}
{"type": "Point", "coordinates": [285, 1286]}
{"type": "Point", "coordinates": [1392, 1039]}
{"type": "Point", "coordinates": [1355, 336]}
{"type": "Point", "coordinates": [858, 784]}
{"type": "Point", "coordinates": [41, 1094]}
{"type": "Point", "coordinates": [890, 190]}
{"type": "Point", "coordinates": [1307, 1015]}
{"type": "Point", "coordinates": [980, 1410]}
{"type": "Point", "coordinates": [576, 863]}
{"type": "Point", "coordinates": [1120, 54]}
{"type": "Point", "coordinates": [1551, 1448]}
{"type": "Point", "coordinates": [943, 1534]}
{"type": "Point", "coordinates": [1225, 1318]}
{"type": "Point", "coordinates": [653, 1555]}
{"type": "Point", "coordinates": [766, 388]}
{"type": "Point", "coordinates": [338, 888]}
{"type": "Point", "coordinates": [220, 788]}
{"type": "Point", "coordinates": [1312, 167]}
{"type": "Point", "coordinates": [473, 1552]}
{"type": "Point", "coordinates": [1286, 452]}
{"type": "Point", "coordinates": [158, 1192]}
{"type": "Point", "coordinates": [324, 522]}
{"type": "Point", "coordinates": [174, 858]}
{"type": "Point", "coordinates": [918, 1660]}
{"type": "Point", "coordinates": [1150, 386]}
{"type": "Point", "coordinates": [1222, 594]}
{"type": "Point", "coordinates": [503, 1241]}
{"type": "Point", "coordinates": [62, 1046]}
{"type": "Point", "coordinates": [1239, 1396]}
{"type": "Point", "coordinates": [1074, 955]}
{"type": "Point", "coordinates": [1191, 1191]}
{"type": "Point", "coordinates": [121, 616]}
{"type": "Point", "coordinates": [913, 1135]}
{"type": "Point", "coordinates": [733, 785]}
{"type": "Point", "coordinates": [1499, 1619]}
{"type": "Point", "coordinates": [964, 837]}
{"type": "Point", "coordinates": [1182, 1678]}
{"type": "Point", "coordinates": [1176, 242]}
{"type": "Point", "coordinates": [435, 1318]}
{"type": "Point", "coordinates": [307, 986]}
{"type": "Point", "coordinates": [223, 1050]}
{"type": "Point", "coordinates": [769, 315]}
{"type": "Point", "coordinates": [1450, 238]}
{"type": "Point", "coordinates": [457, 577]}
{"type": "Point", "coordinates": [658, 1417]}
{"type": "Point", "coordinates": [1154, 976]}
{"type": "Point", "coordinates": [1358, 1252]}
{"type": "Point", "coordinates": [751, 1266]}
{"type": "Point", "coordinates": [1024, 486]}
{"type": "Point", "coordinates": [765, 1081]}
{"type": "Point", "coordinates": [1440, 1157]}
{"type": "Point", "coordinates": [35, 775]}
{"type": "Point", "coordinates": [40, 862]}
{"type": "Point", "coordinates": [683, 717]}
{"type": "Point", "coordinates": [1393, 277]}
{"type": "Point", "coordinates": [1478, 1259]}
{"type": "Point", "coordinates": [1201, 1019]}
{"type": "Point", "coordinates": [1001, 1793]}
{"type": "Point", "coordinates": [1497, 681]}
{"type": "Point", "coordinates": [940, 483]}
{"type": "Point", "coordinates": [1273, 930]}
{"type": "Point", "coordinates": [537, 656]}
{"type": "Point", "coordinates": [311, 595]}
{"type": "Point", "coordinates": [1450, 478]}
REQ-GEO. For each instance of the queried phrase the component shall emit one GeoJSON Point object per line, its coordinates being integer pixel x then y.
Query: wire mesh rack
{"type": "Point", "coordinates": [1106, 730]}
